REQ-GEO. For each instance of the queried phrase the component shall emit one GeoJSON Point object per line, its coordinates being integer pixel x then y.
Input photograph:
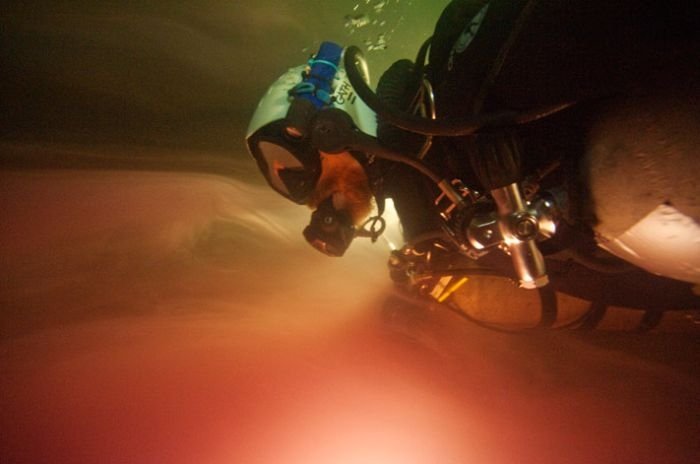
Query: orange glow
{"type": "Point", "coordinates": [140, 325]}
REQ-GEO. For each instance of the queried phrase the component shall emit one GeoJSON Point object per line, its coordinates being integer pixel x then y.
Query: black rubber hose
{"type": "Point", "coordinates": [594, 315]}
{"type": "Point", "coordinates": [442, 127]}
{"type": "Point", "coordinates": [445, 127]}
{"type": "Point", "coordinates": [549, 309]}
{"type": "Point", "coordinates": [650, 320]}
{"type": "Point", "coordinates": [383, 152]}
{"type": "Point", "coordinates": [394, 90]}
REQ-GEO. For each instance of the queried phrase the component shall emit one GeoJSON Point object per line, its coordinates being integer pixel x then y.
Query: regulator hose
{"type": "Point", "coordinates": [443, 127]}
{"type": "Point", "coordinates": [395, 90]}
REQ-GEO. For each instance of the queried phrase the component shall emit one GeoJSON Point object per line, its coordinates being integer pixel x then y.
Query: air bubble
{"type": "Point", "coordinates": [356, 21]}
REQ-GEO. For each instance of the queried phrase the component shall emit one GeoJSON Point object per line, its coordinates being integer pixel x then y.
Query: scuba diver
{"type": "Point", "coordinates": [337, 186]}
{"type": "Point", "coordinates": [504, 97]}
{"type": "Point", "coordinates": [340, 187]}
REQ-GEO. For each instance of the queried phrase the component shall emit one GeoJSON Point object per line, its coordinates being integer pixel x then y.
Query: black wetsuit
{"type": "Point", "coordinates": [522, 54]}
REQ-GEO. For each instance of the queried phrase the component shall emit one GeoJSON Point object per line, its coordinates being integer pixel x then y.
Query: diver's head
{"type": "Point", "coordinates": [278, 137]}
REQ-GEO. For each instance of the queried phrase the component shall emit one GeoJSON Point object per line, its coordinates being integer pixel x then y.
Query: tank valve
{"type": "Point", "coordinates": [519, 228]}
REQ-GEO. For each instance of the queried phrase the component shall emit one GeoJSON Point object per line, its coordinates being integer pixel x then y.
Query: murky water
{"type": "Point", "coordinates": [170, 316]}
{"type": "Point", "coordinates": [158, 303]}
{"type": "Point", "coordinates": [169, 74]}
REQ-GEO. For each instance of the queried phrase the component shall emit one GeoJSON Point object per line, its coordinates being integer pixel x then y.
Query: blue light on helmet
{"type": "Point", "coordinates": [317, 84]}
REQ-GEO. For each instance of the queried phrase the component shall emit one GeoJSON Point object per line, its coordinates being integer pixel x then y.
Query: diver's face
{"type": "Point", "coordinates": [343, 178]}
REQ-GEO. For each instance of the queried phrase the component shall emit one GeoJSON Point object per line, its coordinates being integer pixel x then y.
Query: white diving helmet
{"type": "Point", "coordinates": [276, 137]}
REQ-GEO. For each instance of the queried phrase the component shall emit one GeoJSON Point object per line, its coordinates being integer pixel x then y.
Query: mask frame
{"type": "Point", "coordinates": [290, 165]}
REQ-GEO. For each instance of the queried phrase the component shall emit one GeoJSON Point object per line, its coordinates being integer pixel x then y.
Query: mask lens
{"type": "Point", "coordinates": [281, 164]}
{"type": "Point", "coordinates": [291, 167]}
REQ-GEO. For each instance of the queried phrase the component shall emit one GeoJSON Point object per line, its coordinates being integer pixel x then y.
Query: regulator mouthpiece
{"type": "Point", "coordinates": [331, 230]}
